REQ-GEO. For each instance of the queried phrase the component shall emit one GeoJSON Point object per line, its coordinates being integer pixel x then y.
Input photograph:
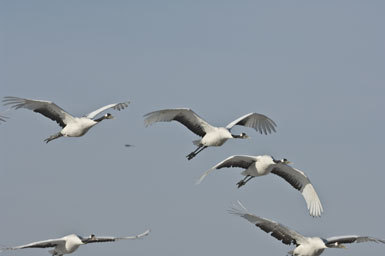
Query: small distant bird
{"type": "Point", "coordinates": [211, 136]}
{"type": "Point", "coordinates": [69, 244]}
{"type": "Point", "coordinates": [72, 126]}
{"type": "Point", "coordinates": [305, 246]}
{"type": "Point", "coordinates": [262, 165]}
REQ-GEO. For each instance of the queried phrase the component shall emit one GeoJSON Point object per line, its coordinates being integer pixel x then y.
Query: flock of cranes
{"type": "Point", "coordinates": [211, 136]}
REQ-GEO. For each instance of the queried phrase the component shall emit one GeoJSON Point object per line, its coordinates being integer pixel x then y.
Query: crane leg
{"type": "Point", "coordinates": [244, 181]}
{"type": "Point", "coordinates": [195, 152]}
{"type": "Point", "coordinates": [52, 137]}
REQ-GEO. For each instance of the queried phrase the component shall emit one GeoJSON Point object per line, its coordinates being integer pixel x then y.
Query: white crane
{"type": "Point", "coordinates": [305, 246]}
{"type": "Point", "coordinates": [211, 135]}
{"type": "Point", "coordinates": [72, 126]}
{"type": "Point", "coordinates": [69, 244]}
{"type": "Point", "coordinates": [262, 165]}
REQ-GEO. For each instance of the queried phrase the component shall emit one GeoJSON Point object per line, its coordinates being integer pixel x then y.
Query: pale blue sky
{"type": "Point", "coordinates": [314, 67]}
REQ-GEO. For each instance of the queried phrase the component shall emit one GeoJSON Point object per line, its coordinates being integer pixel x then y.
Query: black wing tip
{"type": "Point", "coordinates": [122, 105]}
{"type": "Point", "coordinates": [376, 240]}
{"type": "Point", "coordinates": [10, 100]}
{"type": "Point", "coordinates": [10, 97]}
{"type": "Point", "coordinates": [272, 122]}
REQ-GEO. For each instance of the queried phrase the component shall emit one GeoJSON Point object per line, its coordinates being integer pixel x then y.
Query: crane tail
{"type": "Point", "coordinates": [203, 176]}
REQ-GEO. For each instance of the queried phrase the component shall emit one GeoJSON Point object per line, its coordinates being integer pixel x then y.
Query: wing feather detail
{"type": "Point", "coordinates": [259, 122]}
{"type": "Point", "coordinates": [115, 106]}
{"type": "Point", "coordinates": [301, 182]}
{"type": "Point", "coordinates": [46, 108]}
{"type": "Point", "coordinates": [241, 161]}
{"type": "Point", "coordinates": [113, 239]}
{"type": "Point", "coordinates": [185, 116]}
{"type": "Point", "coordinates": [2, 118]}
{"type": "Point", "coordinates": [39, 244]}
{"type": "Point", "coordinates": [336, 240]}
{"type": "Point", "coordinates": [275, 229]}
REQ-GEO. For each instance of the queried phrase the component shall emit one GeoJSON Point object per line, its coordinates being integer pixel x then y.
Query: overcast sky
{"type": "Point", "coordinates": [315, 67]}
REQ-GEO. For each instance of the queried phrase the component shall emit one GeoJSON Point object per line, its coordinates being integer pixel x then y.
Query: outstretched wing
{"type": "Point", "coordinates": [185, 116]}
{"type": "Point", "coordinates": [46, 108]}
{"type": "Point", "coordinates": [39, 244]}
{"type": "Point", "coordinates": [259, 122]}
{"type": "Point", "coordinates": [104, 239]}
{"type": "Point", "coordinates": [300, 182]}
{"type": "Point", "coordinates": [337, 240]}
{"type": "Point", "coordinates": [232, 161]}
{"type": "Point", "coordinates": [277, 230]}
{"type": "Point", "coordinates": [115, 106]}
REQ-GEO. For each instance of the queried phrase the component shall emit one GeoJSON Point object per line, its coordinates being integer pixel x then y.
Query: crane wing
{"type": "Point", "coordinates": [2, 118]}
{"type": "Point", "coordinates": [46, 108]}
{"type": "Point", "coordinates": [240, 161]}
{"type": "Point", "coordinates": [301, 182]}
{"type": "Point", "coordinates": [277, 230]}
{"type": "Point", "coordinates": [336, 240]}
{"type": "Point", "coordinates": [39, 244]}
{"type": "Point", "coordinates": [259, 122]}
{"type": "Point", "coordinates": [104, 239]}
{"type": "Point", "coordinates": [115, 106]}
{"type": "Point", "coordinates": [185, 116]}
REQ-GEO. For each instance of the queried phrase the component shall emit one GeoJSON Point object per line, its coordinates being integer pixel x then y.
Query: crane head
{"type": "Point", "coordinates": [109, 116]}
{"type": "Point", "coordinates": [285, 161]}
{"type": "Point", "coordinates": [244, 136]}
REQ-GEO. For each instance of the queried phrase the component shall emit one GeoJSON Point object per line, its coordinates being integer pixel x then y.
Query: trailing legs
{"type": "Point", "coordinates": [244, 181]}
{"type": "Point", "coordinates": [52, 137]}
{"type": "Point", "coordinates": [195, 152]}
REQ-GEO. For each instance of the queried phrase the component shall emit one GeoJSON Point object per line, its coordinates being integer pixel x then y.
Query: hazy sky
{"type": "Point", "coordinates": [315, 67]}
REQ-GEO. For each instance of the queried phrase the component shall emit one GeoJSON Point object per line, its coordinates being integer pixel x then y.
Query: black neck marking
{"type": "Point", "coordinates": [100, 119]}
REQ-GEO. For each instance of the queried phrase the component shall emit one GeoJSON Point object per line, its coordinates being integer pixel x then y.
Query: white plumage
{"type": "Point", "coordinates": [72, 126]}
{"type": "Point", "coordinates": [305, 246]}
{"type": "Point", "coordinates": [69, 244]}
{"type": "Point", "coordinates": [262, 165]}
{"type": "Point", "coordinates": [211, 135]}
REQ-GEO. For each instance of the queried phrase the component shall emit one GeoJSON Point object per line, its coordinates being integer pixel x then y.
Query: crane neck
{"type": "Point", "coordinates": [100, 119]}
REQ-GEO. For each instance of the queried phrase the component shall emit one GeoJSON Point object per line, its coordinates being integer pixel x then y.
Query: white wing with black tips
{"type": "Point", "coordinates": [39, 244]}
{"type": "Point", "coordinates": [232, 161]}
{"type": "Point", "coordinates": [115, 106]}
{"type": "Point", "coordinates": [301, 182]}
{"type": "Point", "coordinates": [46, 108]}
{"type": "Point", "coordinates": [259, 122]}
{"type": "Point", "coordinates": [185, 116]}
